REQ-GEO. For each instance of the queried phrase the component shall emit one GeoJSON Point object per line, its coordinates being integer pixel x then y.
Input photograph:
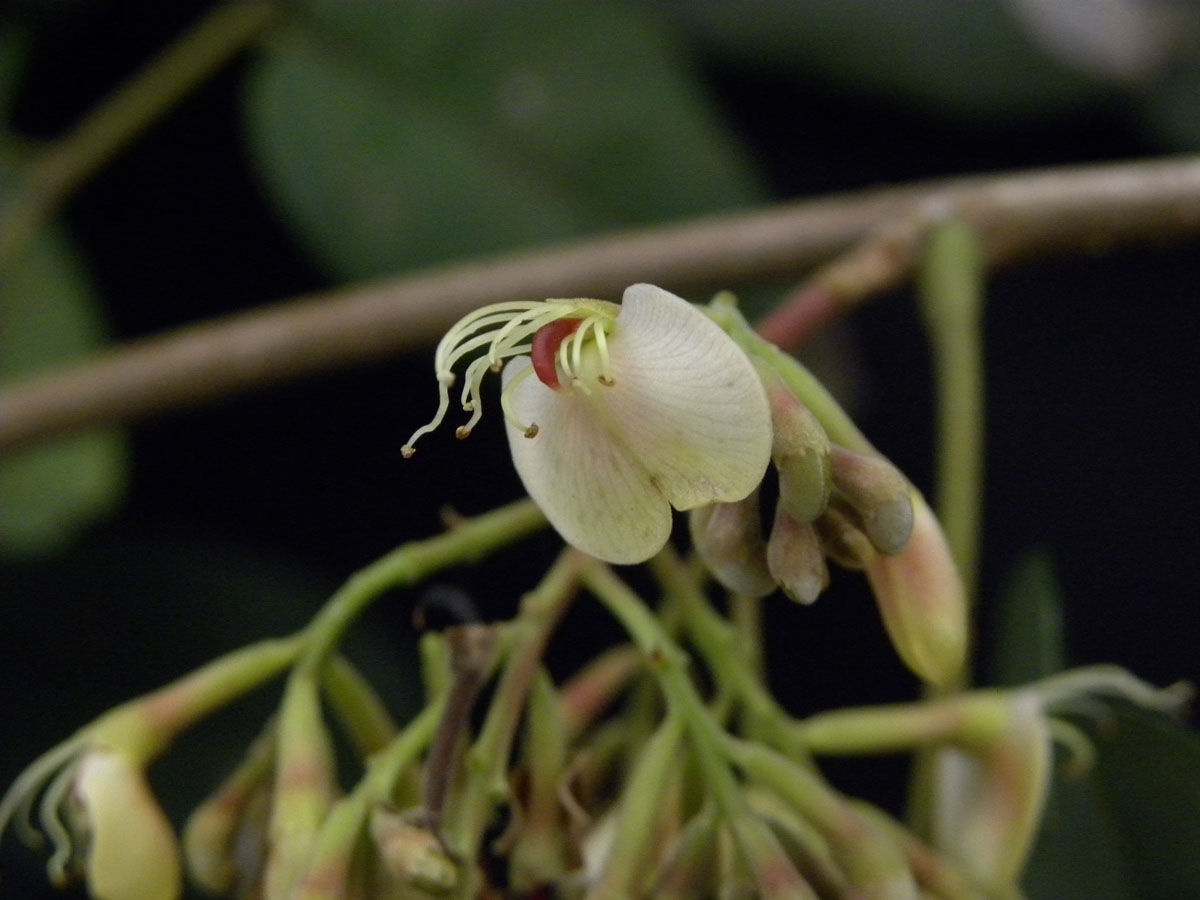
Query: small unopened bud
{"type": "Point", "coordinates": [729, 541]}
{"type": "Point", "coordinates": [843, 541]}
{"type": "Point", "coordinates": [412, 854]}
{"type": "Point", "coordinates": [224, 841]}
{"type": "Point", "coordinates": [878, 493]}
{"type": "Point", "coordinates": [923, 602]}
{"type": "Point", "coordinates": [800, 450]}
{"type": "Point", "coordinates": [990, 800]}
{"type": "Point", "coordinates": [794, 558]}
{"type": "Point", "coordinates": [304, 785]}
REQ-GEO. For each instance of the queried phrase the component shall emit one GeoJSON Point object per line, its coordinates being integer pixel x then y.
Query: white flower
{"type": "Point", "coordinates": [634, 409]}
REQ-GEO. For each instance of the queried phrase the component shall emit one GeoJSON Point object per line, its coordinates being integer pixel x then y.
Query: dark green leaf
{"type": "Point", "coordinates": [1130, 827]}
{"type": "Point", "coordinates": [394, 135]}
{"type": "Point", "coordinates": [1026, 625]}
{"type": "Point", "coordinates": [971, 60]}
{"type": "Point", "coordinates": [48, 317]}
{"type": "Point", "coordinates": [1078, 854]}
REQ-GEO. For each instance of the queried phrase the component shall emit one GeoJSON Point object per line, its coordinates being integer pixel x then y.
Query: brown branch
{"type": "Point", "coordinates": [1020, 215]}
{"type": "Point", "coordinates": [1017, 217]}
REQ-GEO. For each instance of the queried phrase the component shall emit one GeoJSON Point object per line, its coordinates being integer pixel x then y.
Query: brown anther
{"type": "Point", "coordinates": [531, 431]}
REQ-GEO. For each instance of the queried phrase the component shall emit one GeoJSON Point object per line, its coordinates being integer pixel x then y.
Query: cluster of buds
{"type": "Point", "coordinates": [856, 509]}
{"type": "Point", "coordinates": [91, 794]}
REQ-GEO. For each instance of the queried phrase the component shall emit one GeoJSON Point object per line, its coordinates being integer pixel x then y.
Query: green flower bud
{"type": "Point", "coordinates": [795, 559]}
{"type": "Point", "coordinates": [922, 601]}
{"type": "Point", "coordinates": [878, 493]}
{"type": "Point", "coordinates": [800, 450]}
{"type": "Point", "coordinates": [224, 840]}
{"type": "Point", "coordinates": [990, 800]}
{"type": "Point", "coordinates": [729, 541]}
{"type": "Point", "coordinates": [412, 854]}
{"type": "Point", "coordinates": [842, 540]}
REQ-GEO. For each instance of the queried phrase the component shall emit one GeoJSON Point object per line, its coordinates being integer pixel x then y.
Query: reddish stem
{"type": "Point", "coordinates": [801, 315]}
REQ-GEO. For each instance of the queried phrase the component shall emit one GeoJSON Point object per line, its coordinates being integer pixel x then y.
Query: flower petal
{"type": "Point", "coordinates": [687, 403]}
{"type": "Point", "coordinates": [687, 421]}
{"type": "Point", "coordinates": [133, 853]}
{"type": "Point", "coordinates": [592, 491]}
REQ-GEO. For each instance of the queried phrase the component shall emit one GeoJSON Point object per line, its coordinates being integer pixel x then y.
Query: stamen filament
{"type": "Point", "coordinates": [508, 329]}
{"type": "Point", "coordinates": [443, 407]}
{"type": "Point", "coordinates": [529, 430]}
{"type": "Point", "coordinates": [506, 337]}
{"type": "Point", "coordinates": [17, 805]}
{"type": "Point", "coordinates": [50, 815]}
{"type": "Point", "coordinates": [481, 319]}
{"type": "Point", "coordinates": [606, 376]}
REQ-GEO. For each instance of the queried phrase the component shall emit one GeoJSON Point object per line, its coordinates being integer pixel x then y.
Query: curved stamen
{"type": "Point", "coordinates": [17, 804]}
{"type": "Point", "coordinates": [529, 430]}
{"type": "Point", "coordinates": [528, 326]}
{"type": "Point", "coordinates": [1081, 752]}
{"type": "Point", "coordinates": [515, 328]}
{"type": "Point", "coordinates": [606, 375]}
{"type": "Point", "coordinates": [50, 815]}
{"type": "Point", "coordinates": [443, 407]}
{"type": "Point", "coordinates": [565, 360]}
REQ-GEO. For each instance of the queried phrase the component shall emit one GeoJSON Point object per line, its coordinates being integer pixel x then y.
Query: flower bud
{"type": "Point", "coordinates": [842, 540]}
{"type": "Point", "coordinates": [412, 854]}
{"type": "Point", "coordinates": [800, 450]}
{"type": "Point", "coordinates": [304, 785]}
{"type": "Point", "coordinates": [794, 558]}
{"type": "Point", "coordinates": [990, 801]}
{"type": "Point", "coordinates": [922, 601]}
{"type": "Point", "coordinates": [728, 539]}
{"type": "Point", "coordinates": [878, 493]}
{"type": "Point", "coordinates": [132, 853]}
{"type": "Point", "coordinates": [224, 840]}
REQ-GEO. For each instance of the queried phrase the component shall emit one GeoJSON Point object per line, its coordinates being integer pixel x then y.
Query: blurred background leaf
{"type": "Point", "coordinates": [969, 60]}
{"type": "Point", "coordinates": [1120, 829]}
{"type": "Point", "coordinates": [1025, 634]}
{"type": "Point", "coordinates": [393, 135]}
{"type": "Point", "coordinates": [49, 317]}
{"type": "Point", "coordinates": [1128, 828]}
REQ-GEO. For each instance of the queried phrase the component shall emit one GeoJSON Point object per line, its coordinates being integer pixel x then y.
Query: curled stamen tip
{"type": "Point", "coordinates": [462, 431]}
{"type": "Point", "coordinates": [407, 451]}
{"type": "Point", "coordinates": [531, 431]}
{"type": "Point", "coordinates": [468, 406]}
{"type": "Point", "coordinates": [497, 366]}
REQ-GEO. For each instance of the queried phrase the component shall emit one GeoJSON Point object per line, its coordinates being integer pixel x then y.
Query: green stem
{"type": "Point", "coordinates": [642, 807]}
{"type": "Point", "coordinates": [487, 760]}
{"type": "Point", "coordinates": [125, 114]}
{"type": "Point", "coordinates": [410, 564]}
{"type": "Point", "coordinates": [951, 282]}
{"type": "Point", "coordinates": [766, 858]}
{"type": "Point", "coordinates": [722, 650]}
{"type": "Point", "coordinates": [836, 422]}
{"type": "Point", "coordinates": [333, 848]}
{"type": "Point", "coordinates": [870, 860]}
{"type": "Point", "coordinates": [146, 725]}
{"type": "Point", "coordinates": [358, 707]}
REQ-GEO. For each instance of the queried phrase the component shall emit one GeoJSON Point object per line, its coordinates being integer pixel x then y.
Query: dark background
{"type": "Point", "coordinates": [242, 515]}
